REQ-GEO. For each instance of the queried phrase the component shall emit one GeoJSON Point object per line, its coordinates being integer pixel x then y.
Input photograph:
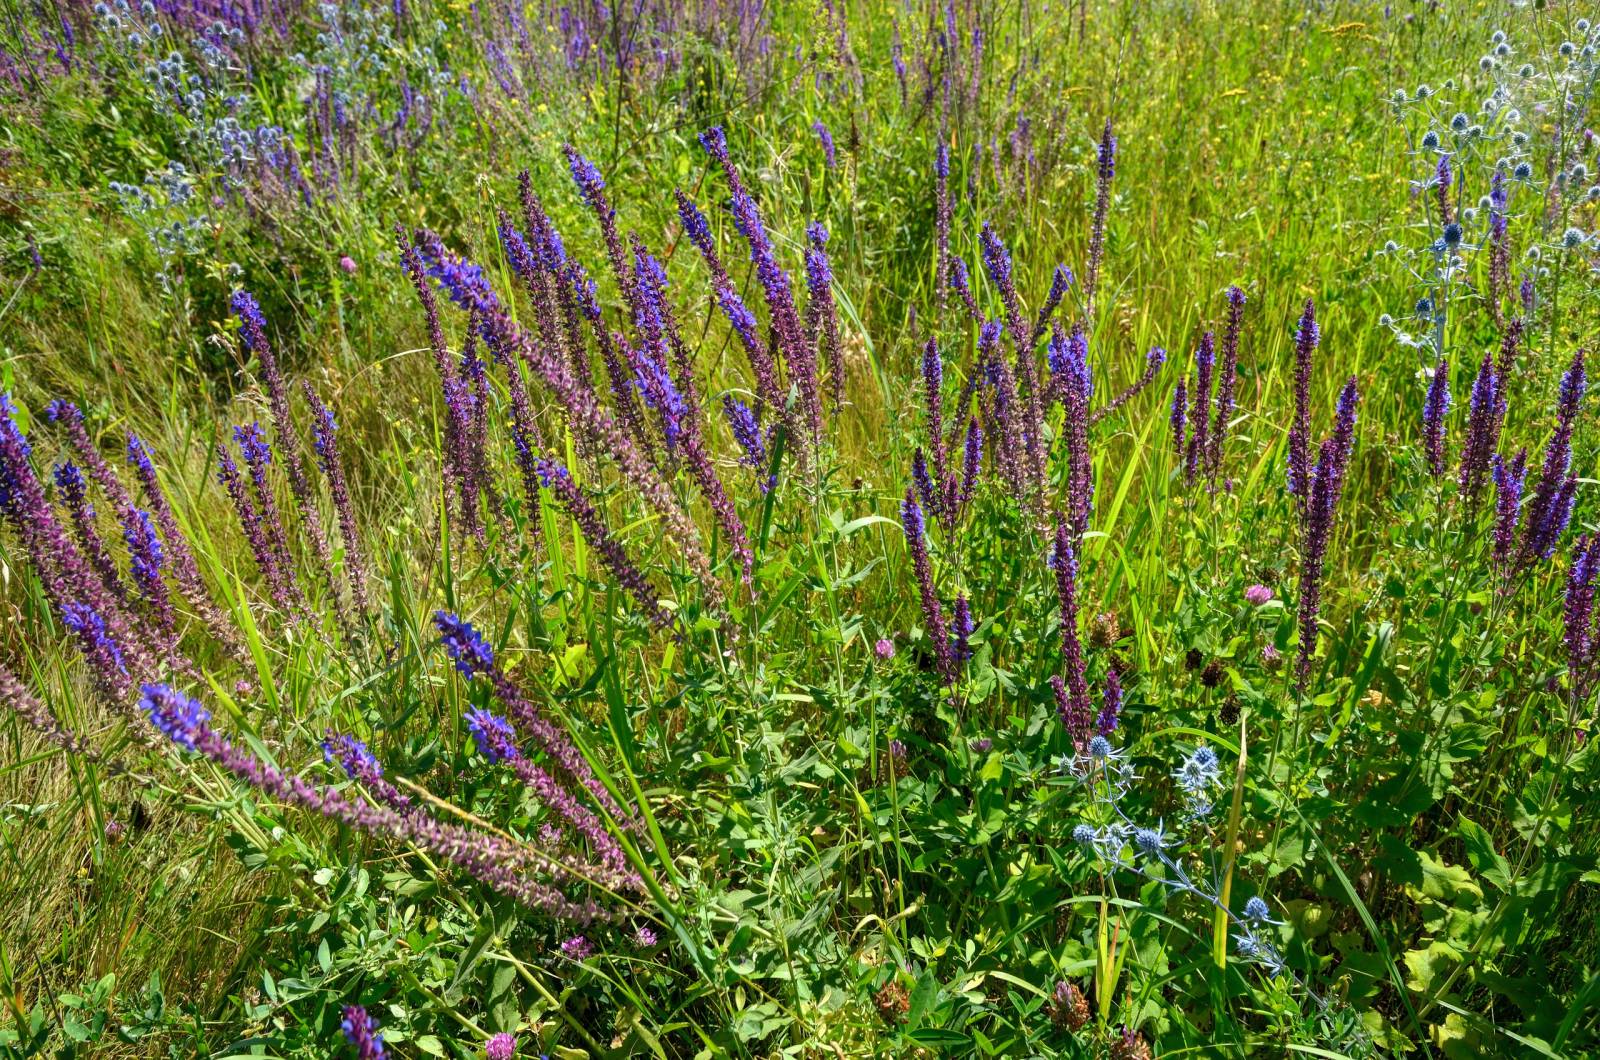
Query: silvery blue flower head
{"type": "Point", "coordinates": [1524, 171]}
{"type": "Point", "coordinates": [1430, 140]}
{"type": "Point", "coordinates": [1256, 909]}
{"type": "Point", "coordinates": [1083, 834]}
{"type": "Point", "coordinates": [1100, 747]}
{"type": "Point", "coordinates": [1573, 238]}
{"type": "Point", "coordinates": [1452, 235]}
{"type": "Point", "coordinates": [1149, 840]}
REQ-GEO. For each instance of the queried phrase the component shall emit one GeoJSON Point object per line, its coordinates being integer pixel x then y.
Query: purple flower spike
{"type": "Point", "coordinates": [1200, 406]}
{"type": "Point", "coordinates": [1434, 409]}
{"type": "Point", "coordinates": [180, 718]}
{"type": "Point", "coordinates": [1106, 723]}
{"type": "Point", "coordinates": [1550, 508]}
{"type": "Point", "coordinates": [252, 329]}
{"type": "Point", "coordinates": [941, 221]}
{"type": "Point", "coordinates": [746, 430]}
{"type": "Point", "coordinates": [1227, 379]}
{"type": "Point", "coordinates": [100, 650]}
{"type": "Point", "coordinates": [1508, 479]}
{"type": "Point", "coordinates": [932, 611]}
{"type": "Point", "coordinates": [1180, 418]}
{"type": "Point", "coordinates": [352, 755]}
{"type": "Point", "coordinates": [1578, 619]}
{"type": "Point", "coordinates": [1105, 170]}
{"type": "Point", "coordinates": [1072, 702]}
{"type": "Point", "coordinates": [361, 1030]}
{"type": "Point", "coordinates": [1484, 419]}
{"type": "Point", "coordinates": [1306, 337]}
{"type": "Point", "coordinates": [825, 138]}
{"type": "Point", "coordinates": [496, 739]}
{"type": "Point", "coordinates": [558, 480]}
{"type": "Point", "coordinates": [972, 461]}
{"type": "Point", "coordinates": [468, 650]}
{"type": "Point", "coordinates": [961, 284]}
{"type": "Point", "coordinates": [962, 627]}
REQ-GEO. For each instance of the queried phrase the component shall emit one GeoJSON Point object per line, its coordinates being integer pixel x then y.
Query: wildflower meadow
{"type": "Point", "coordinates": [749, 528]}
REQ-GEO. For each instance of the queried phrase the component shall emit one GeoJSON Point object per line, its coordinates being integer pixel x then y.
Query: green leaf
{"type": "Point", "coordinates": [1481, 852]}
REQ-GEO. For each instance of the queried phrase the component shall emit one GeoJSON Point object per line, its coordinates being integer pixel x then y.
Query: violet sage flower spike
{"type": "Point", "coordinates": [1078, 714]}
{"type": "Point", "coordinates": [255, 535]}
{"type": "Point", "coordinates": [961, 630]}
{"type": "Point", "coordinates": [1508, 480]}
{"type": "Point", "coordinates": [1105, 171]}
{"type": "Point", "coordinates": [941, 221]}
{"type": "Point", "coordinates": [1550, 507]}
{"type": "Point", "coordinates": [933, 401]}
{"type": "Point", "coordinates": [972, 461]}
{"type": "Point", "coordinates": [1434, 410]}
{"type": "Point", "coordinates": [1111, 710]}
{"type": "Point", "coordinates": [1179, 418]}
{"type": "Point", "coordinates": [997, 262]}
{"type": "Point", "coordinates": [456, 391]}
{"type": "Point", "coordinates": [187, 723]}
{"type": "Point", "coordinates": [1074, 382]}
{"type": "Point", "coordinates": [1060, 281]}
{"type": "Point", "coordinates": [474, 658]}
{"type": "Point", "coordinates": [1227, 381]}
{"type": "Point", "coordinates": [325, 442]}
{"type": "Point", "coordinates": [722, 507]}
{"type": "Point", "coordinates": [70, 418]}
{"type": "Point", "coordinates": [180, 558]}
{"type": "Point", "coordinates": [1153, 362]}
{"type": "Point", "coordinates": [552, 257]}
{"type": "Point", "coordinates": [1326, 486]}
{"type": "Point", "coordinates": [961, 284]}
{"type": "Point", "coordinates": [822, 316]}
{"type": "Point", "coordinates": [825, 138]}
{"type": "Point", "coordinates": [592, 189]}
{"type": "Point", "coordinates": [589, 420]}
{"type": "Point", "coordinates": [252, 329]}
{"type": "Point", "coordinates": [100, 650]}
{"type": "Point", "coordinates": [1483, 431]}
{"type": "Point", "coordinates": [779, 296]}
{"type": "Point", "coordinates": [1306, 337]}
{"type": "Point", "coordinates": [72, 492]}
{"type": "Point", "coordinates": [362, 766]}
{"type": "Point", "coordinates": [912, 520]}
{"type": "Point", "coordinates": [145, 562]}
{"type": "Point", "coordinates": [1505, 363]}
{"type": "Point", "coordinates": [1579, 618]}
{"type": "Point", "coordinates": [496, 741]}
{"type": "Point", "coordinates": [746, 429]}
{"type": "Point", "coordinates": [17, 698]}
{"type": "Point", "coordinates": [1008, 430]}
{"type": "Point", "coordinates": [1499, 246]}
{"type": "Point", "coordinates": [68, 580]}
{"type": "Point", "coordinates": [257, 453]}
{"type": "Point", "coordinates": [559, 482]}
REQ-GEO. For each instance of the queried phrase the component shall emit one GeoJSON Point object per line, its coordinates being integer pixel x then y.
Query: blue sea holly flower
{"type": "Point", "coordinates": [1083, 834]}
{"type": "Point", "coordinates": [1149, 840]}
{"type": "Point", "coordinates": [1256, 909]}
